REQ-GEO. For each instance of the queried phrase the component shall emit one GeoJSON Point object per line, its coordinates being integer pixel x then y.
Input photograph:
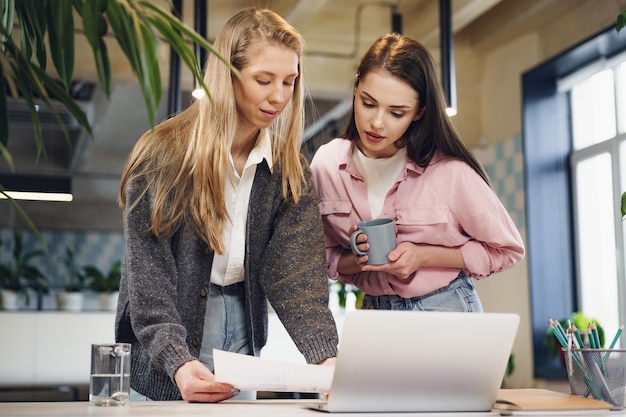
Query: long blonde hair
{"type": "Point", "coordinates": [184, 160]}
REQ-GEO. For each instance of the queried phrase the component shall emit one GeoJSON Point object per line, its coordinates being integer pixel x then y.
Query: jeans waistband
{"type": "Point", "coordinates": [461, 280]}
{"type": "Point", "coordinates": [236, 288]}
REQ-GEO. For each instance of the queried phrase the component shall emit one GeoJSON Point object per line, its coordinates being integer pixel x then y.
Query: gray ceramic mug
{"type": "Point", "coordinates": [381, 235]}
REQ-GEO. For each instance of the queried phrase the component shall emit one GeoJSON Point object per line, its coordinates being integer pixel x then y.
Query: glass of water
{"type": "Point", "coordinates": [110, 374]}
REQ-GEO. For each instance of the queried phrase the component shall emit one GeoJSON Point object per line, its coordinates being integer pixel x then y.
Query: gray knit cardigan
{"type": "Point", "coordinates": [165, 283]}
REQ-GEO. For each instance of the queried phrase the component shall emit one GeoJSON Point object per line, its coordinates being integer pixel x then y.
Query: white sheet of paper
{"type": "Point", "coordinates": [249, 373]}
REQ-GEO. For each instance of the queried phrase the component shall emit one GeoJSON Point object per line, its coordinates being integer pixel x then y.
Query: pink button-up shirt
{"type": "Point", "coordinates": [446, 203]}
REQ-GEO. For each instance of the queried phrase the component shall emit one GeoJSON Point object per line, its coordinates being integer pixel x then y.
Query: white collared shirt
{"type": "Point", "coordinates": [228, 268]}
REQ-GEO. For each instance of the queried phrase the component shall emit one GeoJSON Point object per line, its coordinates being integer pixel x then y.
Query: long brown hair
{"type": "Point", "coordinates": [184, 160]}
{"type": "Point", "coordinates": [408, 60]}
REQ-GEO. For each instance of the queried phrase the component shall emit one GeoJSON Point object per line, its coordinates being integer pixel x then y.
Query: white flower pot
{"type": "Point", "coordinates": [108, 301]}
{"type": "Point", "coordinates": [70, 301]}
{"type": "Point", "coordinates": [9, 300]}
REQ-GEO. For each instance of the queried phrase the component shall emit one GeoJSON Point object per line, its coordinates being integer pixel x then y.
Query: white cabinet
{"type": "Point", "coordinates": [54, 348]}
{"type": "Point", "coordinates": [38, 348]}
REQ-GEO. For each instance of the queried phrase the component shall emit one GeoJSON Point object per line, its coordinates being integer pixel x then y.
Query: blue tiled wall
{"type": "Point", "coordinates": [91, 248]}
{"type": "Point", "coordinates": [505, 165]}
{"type": "Point", "coordinates": [100, 249]}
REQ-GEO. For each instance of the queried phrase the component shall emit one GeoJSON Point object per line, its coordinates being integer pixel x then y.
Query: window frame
{"type": "Point", "coordinates": [547, 145]}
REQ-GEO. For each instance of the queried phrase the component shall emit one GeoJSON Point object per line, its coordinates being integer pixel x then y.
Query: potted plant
{"type": "Point", "coordinates": [107, 285]}
{"type": "Point", "coordinates": [342, 294]}
{"type": "Point", "coordinates": [38, 54]}
{"type": "Point", "coordinates": [72, 298]}
{"type": "Point", "coordinates": [582, 323]}
{"type": "Point", "coordinates": [19, 275]}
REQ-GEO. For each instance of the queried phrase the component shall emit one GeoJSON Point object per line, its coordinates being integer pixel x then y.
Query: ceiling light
{"type": "Point", "coordinates": [198, 93]}
{"type": "Point", "coordinates": [36, 187]}
{"type": "Point", "coordinates": [450, 111]}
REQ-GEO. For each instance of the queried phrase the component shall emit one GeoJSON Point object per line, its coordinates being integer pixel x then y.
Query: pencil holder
{"type": "Point", "coordinates": [597, 373]}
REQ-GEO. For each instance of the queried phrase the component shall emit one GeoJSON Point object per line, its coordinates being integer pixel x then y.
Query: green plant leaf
{"type": "Point", "coordinates": [621, 21]}
{"type": "Point", "coordinates": [7, 158]}
{"type": "Point", "coordinates": [8, 14]}
{"type": "Point", "coordinates": [181, 48]}
{"type": "Point", "coordinates": [95, 28]}
{"type": "Point", "coordinates": [64, 97]}
{"type": "Point", "coordinates": [623, 205]}
{"type": "Point", "coordinates": [129, 36]}
{"type": "Point", "coordinates": [174, 31]}
{"type": "Point", "coordinates": [23, 80]}
{"type": "Point", "coordinates": [186, 31]}
{"type": "Point", "coordinates": [4, 114]}
{"type": "Point", "coordinates": [32, 20]}
{"type": "Point", "coordinates": [61, 37]}
{"type": "Point", "coordinates": [151, 74]}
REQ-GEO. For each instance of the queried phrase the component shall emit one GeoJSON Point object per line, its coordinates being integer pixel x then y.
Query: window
{"type": "Point", "coordinates": [575, 163]}
{"type": "Point", "coordinates": [596, 161]}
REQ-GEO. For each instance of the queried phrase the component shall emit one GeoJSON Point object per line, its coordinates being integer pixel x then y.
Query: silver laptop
{"type": "Point", "coordinates": [409, 361]}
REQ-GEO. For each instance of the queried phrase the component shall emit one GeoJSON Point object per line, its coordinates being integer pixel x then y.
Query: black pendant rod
{"type": "Point", "coordinates": [448, 76]}
{"type": "Point", "coordinates": [175, 96]}
{"type": "Point", "coordinates": [200, 25]}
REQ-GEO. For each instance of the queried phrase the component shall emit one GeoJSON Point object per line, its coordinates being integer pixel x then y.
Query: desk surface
{"type": "Point", "coordinates": [258, 408]}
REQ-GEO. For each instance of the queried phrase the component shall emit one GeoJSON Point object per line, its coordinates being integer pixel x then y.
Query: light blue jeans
{"type": "Point", "coordinates": [460, 295]}
{"type": "Point", "coordinates": [224, 328]}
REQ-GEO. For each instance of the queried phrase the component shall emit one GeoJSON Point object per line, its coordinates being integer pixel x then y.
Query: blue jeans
{"type": "Point", "coordinates": [224, 328]}
{"type": "Point", "coordinates": [460, 295]}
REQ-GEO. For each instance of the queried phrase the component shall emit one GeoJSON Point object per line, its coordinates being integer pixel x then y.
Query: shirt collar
{"type": "Point", "coordinates": [346, 161]}
{"type": "Point", "coordinates": [262, 150]}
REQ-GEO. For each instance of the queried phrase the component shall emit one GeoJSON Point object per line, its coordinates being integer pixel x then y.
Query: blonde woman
{"type": "Point", "coordinates": [220, 215]}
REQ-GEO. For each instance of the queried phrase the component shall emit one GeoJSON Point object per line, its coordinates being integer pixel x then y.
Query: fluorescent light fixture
{"type": "Point", "coordinates": [36, 187]}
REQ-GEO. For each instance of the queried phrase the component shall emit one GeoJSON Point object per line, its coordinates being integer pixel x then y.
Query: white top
{"type": "Point", "coordinates": [380, 174]}
{"type": "Point", "coordinates": [227, 268]}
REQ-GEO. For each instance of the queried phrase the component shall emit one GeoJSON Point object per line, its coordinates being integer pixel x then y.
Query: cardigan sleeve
{"type": "Point", "coordinates": [293, 274]}
{"type": "Point", "coordinates": [149, 288]}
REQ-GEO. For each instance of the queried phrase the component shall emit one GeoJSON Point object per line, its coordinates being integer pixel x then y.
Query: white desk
{"type": "Point", "coordinates": [259, 408]}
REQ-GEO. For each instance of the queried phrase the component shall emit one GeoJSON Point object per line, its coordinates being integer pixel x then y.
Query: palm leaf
{"type": "Point", "coordinates": [174, 31]}
{"type": "Point", "coordinates": [95, 28]}
{"type": "Point", "coordinates": [6, 66]}
{"type": "Point", "coordinates": [61, 38]}
{"type": "Point", "coordinates": [8, 14]}
{"type": "Point", "coordinates": [132, 40]}
{"type": "Point", "coordinates": [23, 82]}
{"type": "Point", "coordinates": [31, 15]}
{"type": "Point", "coordinates": [181, 48]}
{"type": "Point", "coordinates": [148, 63]}
{"type": "Point", "coordinates": [4, 114]}
{"type": "Point", "coordinates": [29, 77]}
{"type": "Point", "coordinates": [150, 68]}
{"type": "Point", "coordinates": [184, 29]}
{"type": "Point", "coordinates": [7, 158]}
{"type": "Point", "coordinates": [66, 99]}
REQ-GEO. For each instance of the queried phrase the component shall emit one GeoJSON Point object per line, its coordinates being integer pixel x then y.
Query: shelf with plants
{"type": "Point", "coordinates": [20, 276]}
{"type": "Point", "coordinates": [106, 284]}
